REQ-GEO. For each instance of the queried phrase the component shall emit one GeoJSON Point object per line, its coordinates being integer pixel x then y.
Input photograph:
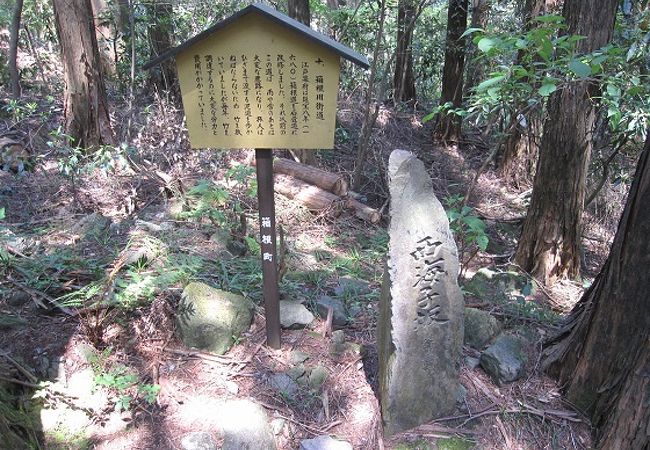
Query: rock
{"type": "Point", "coordinates": [338, 344]}
{"type": "Point", "coordinates": [284, 384]}
{"type": "Point", "coordinates": [231, 387]}
{"type": "Point", "coordinates": [420, 328]}
{"type": "Point", "coordinates": [86, 352]}
{"type": "Point", "coordinates": [324, 442]}
{"type": "Point", "coordinates": [93, 227]}
{"type": "Point", "coordinates": [488, 284]}
{"type": "Point", "coordinates": [277, 425]}
{"type": "Point", "coordinates": [350, 285]}
{"type": "Point", "coordinates": [210, 319]}
{"type": "Point", "coordinates": [245, 426]}
{"type": "Point", "coordinates": [480, 328]}
{"type": "Point", "coordinates": [461, 394]}
{"type": "Point", "coordinates": [317, 377]}
{"type": "Point", "coordinates": [454, 443]}
{"type": "Point", "coordinates": [505, 359]}
{"type": "Point", "coordinates": [294, 315]}
{"type": "Point", "coordinates": [17, 298]}
{"type": "Point", "coordinates": [298, 357]}
{"type": "Point", "coordinates": [339, 316]}
{"type": "Point", "coordinates": [471, 362]}
{"type": "Point", "coordinates": [198, 440]}
{"type": "Point", "coordinates": [297, 373]}
{"type": "Point", "coordinates": [237, 248]}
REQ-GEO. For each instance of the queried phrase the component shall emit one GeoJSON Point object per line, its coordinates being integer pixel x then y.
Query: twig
{"type": "Point", "coordinates": [35, 293]}
{"type": "Point", "coordinates": [23, 383]}
{"type": "Point", "coordinates": [315, 431]}
{"type": "Point", "coordinates": [328, 322]}
{"type": "Point", "coordinates": [22, 370]}
{"type": "Point", "coordinates": [202, 355]}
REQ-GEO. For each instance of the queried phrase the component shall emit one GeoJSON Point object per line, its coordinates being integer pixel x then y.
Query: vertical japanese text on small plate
{"type": "Point", "coordinates": [267, 239]}
{"type": "Point", "coordinates": [259, 94]}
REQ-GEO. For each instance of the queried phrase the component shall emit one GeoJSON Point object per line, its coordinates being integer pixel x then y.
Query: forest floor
{"type": "Point", "coordinates": [68, 238]}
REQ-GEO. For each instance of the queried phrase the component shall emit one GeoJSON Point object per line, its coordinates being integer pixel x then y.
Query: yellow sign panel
{"type": "Point", "coordinates": [256, 84]}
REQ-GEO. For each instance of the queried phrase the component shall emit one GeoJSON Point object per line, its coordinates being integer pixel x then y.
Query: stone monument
{"type": "Point", "coordinates": [420, 330]}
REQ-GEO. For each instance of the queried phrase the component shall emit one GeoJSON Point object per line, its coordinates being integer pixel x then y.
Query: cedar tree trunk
{"type": "Point", "coordinates": [602, 354]}
{"type": "Point", "coordinates": [521, 147]}
{"type": "Point", "coordinates": [476, 69]}
{"type": "Point", "coordinates": [14, 76]}
{"type": "Point", "coordinates": [85, 108]}
{"type": "Point", "coordinates": [299, 10]}
{"type": "Point", "coordinates": [448, 126]}
{"type": "Point", "coordinates": [404, 80]}
{"type": "Point", "coordinates": [550, 239]}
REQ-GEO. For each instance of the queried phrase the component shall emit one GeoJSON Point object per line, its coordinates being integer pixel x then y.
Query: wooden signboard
{"type": "Point", "coordinates": [262, 80]}
{"type": "Point", "coordinates": [254, 84]}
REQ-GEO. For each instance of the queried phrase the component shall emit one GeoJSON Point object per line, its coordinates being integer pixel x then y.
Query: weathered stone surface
{"type": "Point", "coordinates": [294, 315]}
{"type": "Point", "coordinates": [211, 319]}
{"type": "Point", "coordinates": [285, 384]}
{"type": "Point", "coordinates": [317, 377]}
{"type": "Point", "coordinates": [339, 316]}
{"type": "Point", "coordinates": [505, 359]}
{"type": "Point", "coordinates": [352, 286]}
{"type": "Point", "coordinates": [420, 330]}
{"type": "Point", "coordinates": [480, 327]}
{"type": "Point", "coordinates": [324, 442]}
{"type": "Point", "coordinates": [198, 440]}
{"type": "Point", "coordinates": [245, 426]}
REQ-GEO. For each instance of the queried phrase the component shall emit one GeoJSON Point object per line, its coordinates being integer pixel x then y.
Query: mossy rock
{"type": "Point", "coordinates": [211, 319]}
{"type": "Point", "coordinates": [454, 443]}
{"type": "Point", "coordinates": [480, 328]}
{"type": "Point", "coordinates": [416, 445]}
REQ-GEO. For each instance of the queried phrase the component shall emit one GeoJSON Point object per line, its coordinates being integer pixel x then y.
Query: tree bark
{"type": "Point", "coordinates": [85, 108]}
{"type": "Point", "coordinates": [448, 126]}
{"type": "Point", "coordinates": [160, 31]}
{"type": "Point", "coordinates": [14, 75]}
{"type": "Point", "coordinates": [520, 150]}
{"type": "Point", "coordinates": [104, 35]}
{"type": "Point", "coordinates": [299, 10]}
{"type": "Point", "coordinates": [602, 354]}
{"type": "Point", "coordinates": [404, 80]}
{"type": "Point", "coordinates": [476, 69]}
{"type": "Point", "coordinates": [550, 239]}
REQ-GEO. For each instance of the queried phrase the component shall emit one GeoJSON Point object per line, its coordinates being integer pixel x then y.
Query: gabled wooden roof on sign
{"type": "Point", "coordinates": [277, 17]}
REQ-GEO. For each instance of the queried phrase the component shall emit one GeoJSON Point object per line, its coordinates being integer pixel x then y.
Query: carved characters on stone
{"type": "Point", "coordinates": [430, 266]}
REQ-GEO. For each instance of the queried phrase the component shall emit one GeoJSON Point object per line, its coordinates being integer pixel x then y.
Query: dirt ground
{"type": "Point", "coordinates": [70, 233]}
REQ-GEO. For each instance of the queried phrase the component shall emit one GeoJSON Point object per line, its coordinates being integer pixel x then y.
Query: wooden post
{"type": "Point", "coordinates": [264, 163]}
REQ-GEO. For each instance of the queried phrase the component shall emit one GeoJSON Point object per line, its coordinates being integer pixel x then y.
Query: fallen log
{"type": "Point", "coordinates": [328, 181]}
{"type": "Point", "coordinates": [362, 211]}
{"type": "Point", "coordinates": [313, 197]}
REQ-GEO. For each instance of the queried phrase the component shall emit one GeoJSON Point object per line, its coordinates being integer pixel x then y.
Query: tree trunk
{"type": "Point", "coordinates": [404, 80]}
{"type": "Point", "coordinates": [448, 126]}
{"type": "Point", "coordinates": [602, 354]}
{"type": "Point", "coordinates": [104, 35]}
{"type": "Point", "coordinates": [476, 69]}
{"type": "Point", "coordinates": [85, 108]}
{"type": "Point", "coordinates": [549, 243]}
{"type": "Point", "coordinates": [160, 31]}
{"type": "Point", "coordinates": [14, 76]}
{"type": "Point", "coordinates": [299, 10]}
